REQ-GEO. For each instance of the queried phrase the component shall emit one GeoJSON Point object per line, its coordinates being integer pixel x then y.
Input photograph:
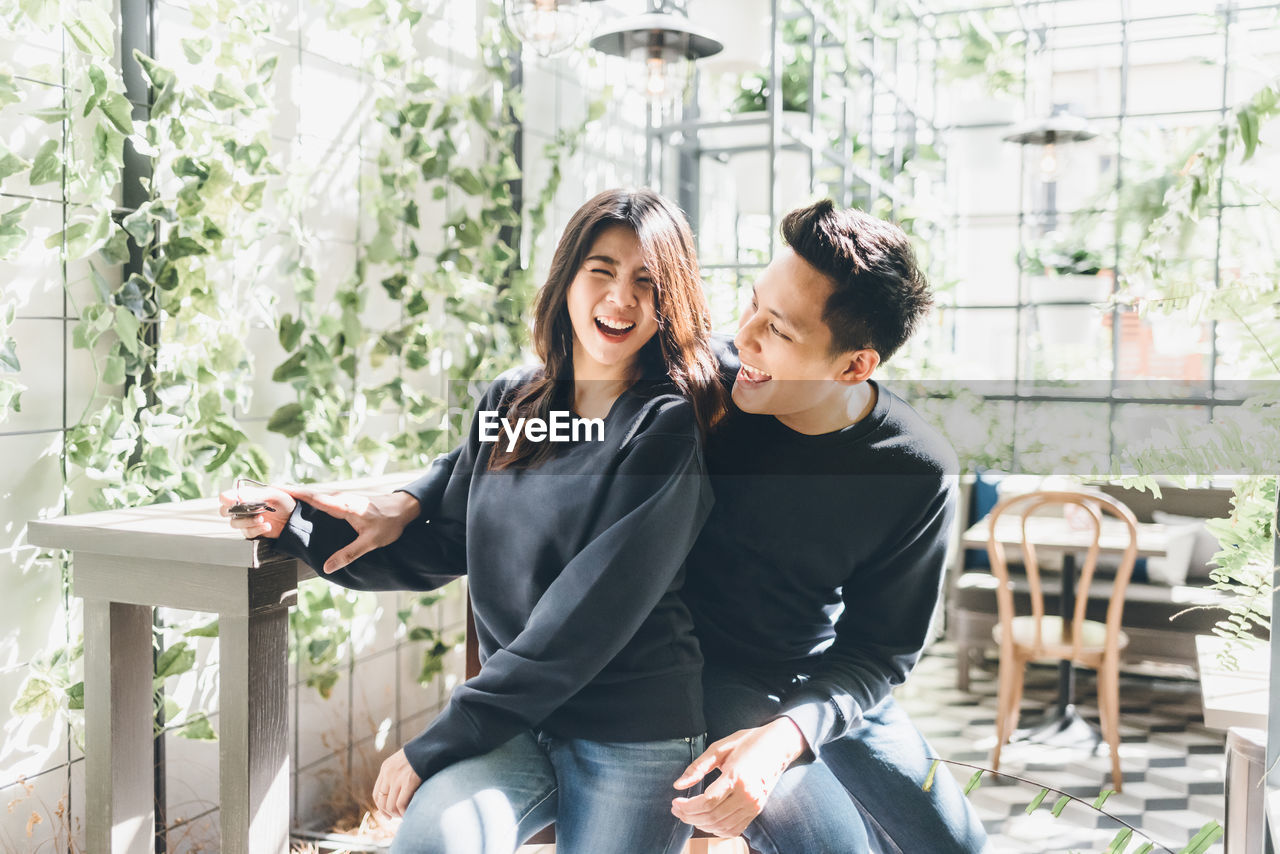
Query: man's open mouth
{"type": "Point", "coordinates": [752, 376]}
{"type": "Point", "coordinates": [613, 328]}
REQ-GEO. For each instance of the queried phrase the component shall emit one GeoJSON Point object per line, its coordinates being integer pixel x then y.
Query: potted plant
{"type": "Point", "coordinates": [1063, 269]}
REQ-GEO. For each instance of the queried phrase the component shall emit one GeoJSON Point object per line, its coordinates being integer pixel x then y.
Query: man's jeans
{"type": "Point", "coordinates": [603, 797]}
{"type": "Point", "coordinates": [864, 791]}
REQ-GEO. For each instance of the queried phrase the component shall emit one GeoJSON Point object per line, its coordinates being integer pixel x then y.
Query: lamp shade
{"type": "Point", "coordinates": [1058, 128]}
{"type": "Point", "coordinates": [656, 32]}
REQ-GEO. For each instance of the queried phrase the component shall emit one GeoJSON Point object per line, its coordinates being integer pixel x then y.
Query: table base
{"type": "Point", "coordinates": [1062, 729]}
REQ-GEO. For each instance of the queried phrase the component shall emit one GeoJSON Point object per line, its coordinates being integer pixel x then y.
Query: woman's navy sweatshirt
{"type": "Point", "coordinates": [574, 570]}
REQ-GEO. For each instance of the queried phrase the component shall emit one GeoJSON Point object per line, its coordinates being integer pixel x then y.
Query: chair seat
{"type": "Point", "coordinates": [1053, 644]}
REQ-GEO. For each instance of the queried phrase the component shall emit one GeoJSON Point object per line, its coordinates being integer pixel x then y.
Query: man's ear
{"type": "Point", "coordinates": [857, 366]}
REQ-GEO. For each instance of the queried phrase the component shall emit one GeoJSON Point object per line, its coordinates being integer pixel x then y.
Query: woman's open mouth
{"type": "Point", "coordinates": [752, 376]}
{"type": "Point", "coordinates": [614, 329]}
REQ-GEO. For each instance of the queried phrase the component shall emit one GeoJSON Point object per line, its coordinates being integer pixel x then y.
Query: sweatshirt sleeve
{"type": "Point", "coordinates": [880, 634]}
{"type": "Point", "coordinates": [429, 553]}
{"type": "Point", "coordinates": [429, 488]}
{"type": "Point", "coordinates": [654, 508]}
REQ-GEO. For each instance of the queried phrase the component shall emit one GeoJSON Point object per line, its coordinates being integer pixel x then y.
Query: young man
{"type": "Point", "coordinates": [815, 578]}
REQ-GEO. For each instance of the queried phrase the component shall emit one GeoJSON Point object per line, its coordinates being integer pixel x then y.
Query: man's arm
{"type": "Point", "coordinates": [884, 627]}
{"type": "Point", "coordinates": [878, 640]}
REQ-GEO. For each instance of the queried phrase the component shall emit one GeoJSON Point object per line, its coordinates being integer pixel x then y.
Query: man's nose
{"type": "Point", "coordinates": [746, 337]}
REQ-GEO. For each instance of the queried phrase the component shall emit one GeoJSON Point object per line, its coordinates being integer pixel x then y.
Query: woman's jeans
{"type": "Point", "coordinates": [603, 797]}
{"type": "Point", "coordinates": [863, 793]}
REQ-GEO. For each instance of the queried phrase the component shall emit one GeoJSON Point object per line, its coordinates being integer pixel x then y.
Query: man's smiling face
{"type": "Point", "coordinates": [788, 369]}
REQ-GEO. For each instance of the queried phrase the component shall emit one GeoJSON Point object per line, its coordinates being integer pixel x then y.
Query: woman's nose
{"type": "Point", "coordinates": [623, 294]}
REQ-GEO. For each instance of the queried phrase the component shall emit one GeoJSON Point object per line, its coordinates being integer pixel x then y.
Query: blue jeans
{"type": "Point", "coordinates": [863, 794]}
{"type": "Point", "coordinates": [604, 797]}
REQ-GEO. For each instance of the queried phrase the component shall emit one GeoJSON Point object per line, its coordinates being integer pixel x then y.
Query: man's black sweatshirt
{"type": "Point", "coordinates": [824, 555]}
{"type": "Point", "coordinates": [574, 570]}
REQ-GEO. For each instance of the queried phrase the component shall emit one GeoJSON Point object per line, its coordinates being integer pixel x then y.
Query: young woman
{"type": "Point", "coordinates": [589, 702]}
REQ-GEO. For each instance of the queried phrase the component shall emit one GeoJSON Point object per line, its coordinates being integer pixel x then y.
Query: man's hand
{"type": "Point", "coordinates": [395, 785]}
{"type": "Point", "coordinates": [750, 761]}
{"type": "Point", "coordinates": [378, 521]}
{"type": "Point", "coordinates": [267, 522]}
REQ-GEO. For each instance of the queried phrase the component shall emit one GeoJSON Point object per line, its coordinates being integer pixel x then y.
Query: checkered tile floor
{"type": "Point", "coordinates": [1173, 765]}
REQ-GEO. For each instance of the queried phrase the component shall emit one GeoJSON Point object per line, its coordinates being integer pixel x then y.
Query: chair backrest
{"type": "Point", "coordinates": [473, 645]}
{"type": "Point", "coordinates": [1092, 506]}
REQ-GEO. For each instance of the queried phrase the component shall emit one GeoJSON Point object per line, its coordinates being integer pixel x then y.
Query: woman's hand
{"type": "Point", "coordinates": [268, 522]}
{"type": "Point", "coordinates": [395, 785]}
{"type": "Point", "coordinates": [378, 521]}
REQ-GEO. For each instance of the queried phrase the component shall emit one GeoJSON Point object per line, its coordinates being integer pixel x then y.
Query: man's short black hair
{"type": "Point", "coordinates": [879, 294]}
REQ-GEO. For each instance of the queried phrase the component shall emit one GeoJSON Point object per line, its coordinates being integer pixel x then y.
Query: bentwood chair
{"type": "Point", "coordinates": [1038, 637]}
{"type": "Point", "coordinates": [702, 842]}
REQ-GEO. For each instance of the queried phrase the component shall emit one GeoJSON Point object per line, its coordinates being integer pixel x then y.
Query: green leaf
{"type": "Point", "coordinates": [1102, 798]}
{"type": "Point", "coordinates": [974, 781]}
{"type": "Point", "coordinates": [933, 769]}
{"type": "Point", "coordinates": [75, 696]}
{"type": "Point", "coordinates": [36, 697]}
{"type": "Point", "coordinates": [51, 115]}
{"type": "Point", "coordinates": [160, 76]}
{"type": "Point", "coordinates": [10, 163]}
{"type": "Point", "coordinates": [175, 660]}
{"type": "Point", "coordinates": [291, 332]}
{"type": "Point", "coordinates": [1036, 801]}
{"type": "Point", "coordinates": [323, 682]}
{"type": "Point", "coordinates": [421, 633]}
{"type": "Point", "coordinates": [317, 647]}
{"type": "Point", "coordinates": [8, 357]}
{"type": "Point", "coordinates": [116, 249]}
{"type": "Point", "coordinates": [198, 729]}
{"type": "Point", "coordinates": [47, 165]}
{"type": "Point", "coordinates": [127, 328]}
{"type": "Point", "coordinates": [1248, 131]}
{"type": "Point", "coordinates": [119, 111]}
{"type": "Point", "coordinates": [183, 247]}
{"type": "Point", "coordinates": [1146, 848]}
{"type": "Point", "coordinates": [1120, 841]}
{"type": "Point", "coordinates": [11, 230]}
{"type": "Point", "coordinates": [1200, 843]}
{"type": "Point", "coordinates": [291, 368]}
{"type": "Point", "coordinates": [138, 225]}
{"type": "Point", "coordinates": [287, 420]}
{"type": "Point", "coordinates": [113, 371]}
{"type": "Point", "coordinates": [1060, 805]}
{"type": "Point", "coordinates": [92, 30]}
{"type": "Point", "coordinates": [467, 181]}
{"type": "Point", "coordinates": [98, 84]}
{"type": "Point", "coordinates": [8, 90]}
{"type": "Point", "coordinates": [208, 630]}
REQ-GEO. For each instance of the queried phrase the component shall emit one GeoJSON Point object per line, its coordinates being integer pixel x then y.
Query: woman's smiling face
{"type": "Point", "coordinates": [611, 303]}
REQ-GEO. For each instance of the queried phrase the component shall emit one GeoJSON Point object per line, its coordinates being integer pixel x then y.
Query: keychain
{"type": "Point", "coordinates": [246, 510]}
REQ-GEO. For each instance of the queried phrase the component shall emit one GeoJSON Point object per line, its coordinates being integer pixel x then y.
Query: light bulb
{"type": "Point", "coordinates": [1049, 163]}
{"type": "Point", "coordinates": [655, 77]}
{"type": "Point", "coordinates": [549, 27]}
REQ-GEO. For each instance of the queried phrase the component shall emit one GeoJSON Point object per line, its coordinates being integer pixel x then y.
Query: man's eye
{"type": "Point", "coordinates": [775, 331]}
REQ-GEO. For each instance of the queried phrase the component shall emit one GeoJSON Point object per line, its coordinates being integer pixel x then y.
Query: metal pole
{"type": "Point", "coordinates": [774, 105]}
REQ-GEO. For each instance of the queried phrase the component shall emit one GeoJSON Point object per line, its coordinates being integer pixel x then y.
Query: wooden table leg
{"type": "Point", "coordinates": [119, 751]}
{"type": "Point", "coordinates": [254, 731]}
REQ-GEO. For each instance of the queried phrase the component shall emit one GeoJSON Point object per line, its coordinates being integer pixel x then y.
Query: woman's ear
{"type": "Point", "coordinates": [857, 366]}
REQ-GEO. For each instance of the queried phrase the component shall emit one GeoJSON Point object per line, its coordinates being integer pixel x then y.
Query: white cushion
{"type": "Point", "coordinates": [1204, 546]}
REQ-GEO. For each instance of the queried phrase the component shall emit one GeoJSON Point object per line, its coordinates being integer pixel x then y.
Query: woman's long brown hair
{"type": "Point", "coordinates": [679, 352]}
